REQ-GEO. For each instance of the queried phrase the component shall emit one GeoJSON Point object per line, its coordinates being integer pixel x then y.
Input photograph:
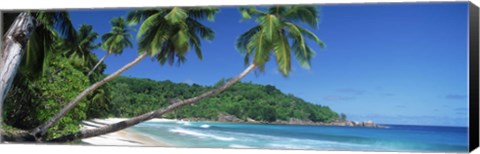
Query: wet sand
{"type": "Point", "coordinates": [123, 137]}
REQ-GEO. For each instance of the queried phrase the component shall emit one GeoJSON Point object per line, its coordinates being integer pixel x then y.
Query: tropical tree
{"type": "Point", "coordinates": [80, 50]}
{"type": "Point", "coordinates": [27, 43]}
{"type": "Point", "coordinates": [166, 34]}
{"type": "Point", "coordinates": [275, 30]}
{"type": "Point", "coordinates": [115, 41]}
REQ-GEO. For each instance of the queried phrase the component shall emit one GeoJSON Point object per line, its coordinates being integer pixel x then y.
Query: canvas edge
{"type": "Point", "coordinates": [473, 55]}
{"type": "Point", "coordinates": [474, 77]}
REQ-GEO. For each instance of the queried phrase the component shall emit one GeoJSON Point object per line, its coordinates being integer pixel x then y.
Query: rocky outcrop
{"type": "Point", "coordinates": [195, 119]}
{"type": "Point", "coordinates": [225, 117]}
{"type": "Point", "coordinates": [347, 123]}
{"type": "Point", "coordinates": [368, 123]}
{"type": "Point", "coordinates": [249, 120]}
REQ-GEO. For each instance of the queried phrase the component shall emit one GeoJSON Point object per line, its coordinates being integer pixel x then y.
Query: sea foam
{"type": "Point", "coordinates": [186, 123]}
{"type": "Point", "coordinates": [238, 146]}
{"type": "Point", "coordinates": [200, 135]}
{"type": "Point", "coordinates": [205, 126]}
{"type": "Point", "coordinates": [161, 120]}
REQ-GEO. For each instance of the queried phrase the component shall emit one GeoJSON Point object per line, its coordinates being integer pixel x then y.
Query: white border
{"type": "Point", "coordinates": [88, 4]}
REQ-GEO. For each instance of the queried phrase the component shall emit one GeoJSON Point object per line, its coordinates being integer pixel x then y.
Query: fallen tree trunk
{"type": "Point", "coordinates": [13, 49]}
{"type": "Point", "coordinates": [17, 136]}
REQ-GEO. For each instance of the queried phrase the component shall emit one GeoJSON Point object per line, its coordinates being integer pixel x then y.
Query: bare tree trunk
{"type": "Point", "coordinates": [150, 115]}
{"type": "Point", "coordinates": [13, 49]}
{"type": "Point", "coordinates": [40, 131]}
{"type": "Point", "coordinates": [98, 64]}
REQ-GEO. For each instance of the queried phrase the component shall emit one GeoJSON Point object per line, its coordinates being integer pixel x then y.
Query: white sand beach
{"type": "Point", "coordinates": [124, 137]}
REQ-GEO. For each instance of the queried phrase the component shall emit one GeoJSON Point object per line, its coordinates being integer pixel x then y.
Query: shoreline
{"type": "Point", "coordinates": [133, 137]}
{"type": "Point", "coordinates": [293, 121]}
{"type": "Point", "coordinates": [129, 137]}
{"type": "Point", "coordinates": [125, 137]}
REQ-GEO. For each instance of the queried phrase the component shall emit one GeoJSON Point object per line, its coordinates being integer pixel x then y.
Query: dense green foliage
{"type": "Point", "coordinates": [31, 102]}
{"type": "Point", "coordinates": [132, 96]}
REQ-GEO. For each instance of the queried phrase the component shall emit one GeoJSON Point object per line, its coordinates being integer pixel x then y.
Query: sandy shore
{"type": "Point", "coordinates": [124, 137]}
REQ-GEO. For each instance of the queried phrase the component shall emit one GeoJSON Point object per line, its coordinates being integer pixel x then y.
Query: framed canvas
{"type": "Point", "coordinates": [371, 77]}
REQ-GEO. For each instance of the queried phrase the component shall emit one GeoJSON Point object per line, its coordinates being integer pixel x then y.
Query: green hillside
{"type": "Point", "coordinates": [133, 96]}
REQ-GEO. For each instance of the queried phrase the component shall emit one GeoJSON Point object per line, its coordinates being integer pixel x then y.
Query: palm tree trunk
{"type": "Point", "coordinates": [14, 43]}
{"type": "Point", "coordinates": [98, 64]}
{"type": "Point", "coordinates": [42, 129]}
{"type": "Point", "coordinates": [150, 115]}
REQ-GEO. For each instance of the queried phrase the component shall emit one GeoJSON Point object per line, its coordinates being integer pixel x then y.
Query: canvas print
{"type": "Point", "coordinates": [347, 77]}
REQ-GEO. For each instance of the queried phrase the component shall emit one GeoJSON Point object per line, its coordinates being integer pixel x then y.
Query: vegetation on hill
{"type": "Point", "coordinates": [133, 96]}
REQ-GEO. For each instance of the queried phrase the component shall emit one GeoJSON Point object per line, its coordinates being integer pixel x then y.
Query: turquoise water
{"type": "Point", "coordinates": [242, 135]}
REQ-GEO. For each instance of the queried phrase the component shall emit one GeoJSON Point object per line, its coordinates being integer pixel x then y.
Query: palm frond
{"type": "Point", "coordinates": [136, 16]}
{"type": "Point", "coordinates": [295, 34]}
{"type": "Point", "coordinates": [311, 36]}
{"type": "Point", "coordinates": [202, 13]}
{"type": "Point", "coordinates": [176, 15]}
{"type": "Point", "coordinates": [277, 10]}
{"type": "Point", "coordinates": [262, 48]}
{"type": "Point", "coordinates": [195, 43]}
{"type": "Point", "coordinates": [282, 53]}
{"type": "Point", "coordinates": [200, 29]}
{"type": "Point", "coordinates": [269, 24]}
{"type": "Point", "coordinates": [152, 21]}
{"type": "Point", "coordinates": [305, 14]}
{"type": "Point", "coordinates": [245, 38]}
{"type": "Point", "coordinates": [180, 42]}
{"type": "Point", "coordinates": [249, 12]}
{"type": "Point", "coordinates": [303, 53]}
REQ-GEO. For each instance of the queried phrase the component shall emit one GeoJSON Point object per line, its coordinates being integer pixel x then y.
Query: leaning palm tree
{"type": "Point", "coordinates": [28, 43]}
{"type": "Point", "coordinates": [115, 41]}
{"type": "Point", "coordinates": [166, 34]}
{"type": "Point", "coordinates": [275, 30]}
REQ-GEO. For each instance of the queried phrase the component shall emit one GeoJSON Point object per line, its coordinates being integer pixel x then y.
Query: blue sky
{"type": "Point", "coordinates": [390, 63]}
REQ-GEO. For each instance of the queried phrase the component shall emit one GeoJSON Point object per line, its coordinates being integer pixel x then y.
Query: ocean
{"type": "Point", "coordinates": [276, 136]}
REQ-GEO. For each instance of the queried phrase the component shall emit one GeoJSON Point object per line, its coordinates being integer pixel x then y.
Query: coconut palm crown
{"type": "Point", "coordinates": [118, 38]}
{"type": "Point", "coordinates": [115, 41]}
{"type": "Point", "coordinates": [80, 51]}
{"type": "Point", "coordinates": [279, 32]}
{"type": "Point", "coordinates": [168, 33]}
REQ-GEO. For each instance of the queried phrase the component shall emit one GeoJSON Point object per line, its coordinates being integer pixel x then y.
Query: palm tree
{"type": "Point", "coordinates": [115, 41]}
{"type": "Point", "coordinates": [278, 33]}
{"type": "Point", "coordinates": [275, 30]}
{"type": "Point", "coordinates": [80, 50]}
{"type": "Point", "coordinates": [166, 34]}
{"type": "Point", "coordinates": [29, 39]}
{"type": "Point", "coordinates": [41, 41]}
